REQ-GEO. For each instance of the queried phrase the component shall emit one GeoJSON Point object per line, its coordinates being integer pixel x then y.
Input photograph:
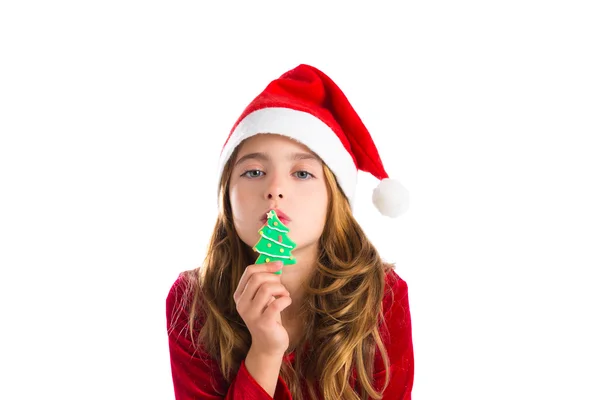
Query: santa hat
{"type": "Point", "coordinates": [306, 105]}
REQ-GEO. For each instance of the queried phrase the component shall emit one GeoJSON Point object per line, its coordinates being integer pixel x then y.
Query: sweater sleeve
{"type": "Point", "coordinates": [195, 374]}
{"type": "Point", "coordinates": [399, 345]}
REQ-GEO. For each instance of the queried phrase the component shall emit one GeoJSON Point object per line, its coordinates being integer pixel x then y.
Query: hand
{"type": "Point", "coordinates": [260, 298]}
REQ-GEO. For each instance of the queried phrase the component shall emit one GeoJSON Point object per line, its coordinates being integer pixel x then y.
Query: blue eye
{"type": "Point", "coordinates": [253, 173]}
{"type": "Point", "coordinates": [304, 175]}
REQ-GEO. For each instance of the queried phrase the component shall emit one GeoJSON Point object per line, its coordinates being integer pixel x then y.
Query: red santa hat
{"type": "Point", "coordinates": [306, 105]}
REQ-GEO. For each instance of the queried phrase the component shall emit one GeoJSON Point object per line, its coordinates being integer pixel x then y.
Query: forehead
{"type": "Point", "coordinates": [272, 142]}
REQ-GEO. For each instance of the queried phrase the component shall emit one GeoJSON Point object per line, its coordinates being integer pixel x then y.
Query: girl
{"type": "Point", "coordinates": [335, 324]}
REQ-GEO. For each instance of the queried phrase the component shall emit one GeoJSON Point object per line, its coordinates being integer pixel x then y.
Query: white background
{"type": "Point", "coordinates": [112, 116]}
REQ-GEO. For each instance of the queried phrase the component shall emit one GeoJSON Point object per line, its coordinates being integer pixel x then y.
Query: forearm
{"type": "Point", "coordinates": [264, 369]}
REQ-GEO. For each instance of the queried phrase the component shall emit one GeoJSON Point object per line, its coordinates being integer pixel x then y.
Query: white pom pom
{"type": "Point", "coordinates": [390, 198]}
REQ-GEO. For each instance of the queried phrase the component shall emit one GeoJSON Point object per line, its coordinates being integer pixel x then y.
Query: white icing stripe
{"type": "Point", "coordinates": [273, 240]}
{"type": "Point", "coordinates": [277, 229]}
{"type": "Point", "coordinates": [273, 255]}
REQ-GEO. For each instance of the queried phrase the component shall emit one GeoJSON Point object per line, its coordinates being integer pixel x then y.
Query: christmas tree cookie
{"type": "Point", "coordinates": [274, 243]}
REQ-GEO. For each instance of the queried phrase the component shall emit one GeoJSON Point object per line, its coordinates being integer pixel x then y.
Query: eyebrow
{"type": "Point", "coordinates": [257, 156]}
{"type": "Point", "coordinates": [265, 157]}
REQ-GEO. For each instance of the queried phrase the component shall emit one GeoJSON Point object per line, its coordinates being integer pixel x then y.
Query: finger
{"type": "Point", "coordinates": [251, 270]}
{"type": "Point", "coordinates": [268, 304]}
{"type": "Point", "coordinates": [254, 284]}
{"type": "Point", "coordinates": [276, 307]}
{"type": "Point", "coordinates": [266, 293]}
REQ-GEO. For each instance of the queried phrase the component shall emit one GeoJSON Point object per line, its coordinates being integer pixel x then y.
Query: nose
{"type": "Point", "coordinates": [274, 189]}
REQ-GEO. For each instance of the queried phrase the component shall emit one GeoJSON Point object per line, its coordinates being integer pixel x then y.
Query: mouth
{"type": "Point", "coordinates": [280, 214]}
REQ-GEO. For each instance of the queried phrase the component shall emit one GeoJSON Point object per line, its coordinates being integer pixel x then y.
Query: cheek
{"type": "Point", "coordinates": [313, 206]}
{"type": "Point", "coordinates": [316, 195]}
{"type": "Point", "coordinates": [241, 214]}
{"type": "Point", "coordinates": [237, 194]}
{"type": "Point", "coordinates": [234, 200]}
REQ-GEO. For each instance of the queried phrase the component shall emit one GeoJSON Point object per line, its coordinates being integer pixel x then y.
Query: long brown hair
{"type": "Point", "coordinates": [343, 306]}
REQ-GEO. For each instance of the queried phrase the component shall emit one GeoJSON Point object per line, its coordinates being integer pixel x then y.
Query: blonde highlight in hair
{"type": "Point", "coordinates": [343, 306]}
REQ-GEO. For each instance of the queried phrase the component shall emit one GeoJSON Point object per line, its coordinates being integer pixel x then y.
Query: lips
{"type": "Point", "coordinates": [283, 217]}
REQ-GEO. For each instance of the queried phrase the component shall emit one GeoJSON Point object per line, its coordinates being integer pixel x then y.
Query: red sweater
{"type": "Point", "coordinates": [193, 371]}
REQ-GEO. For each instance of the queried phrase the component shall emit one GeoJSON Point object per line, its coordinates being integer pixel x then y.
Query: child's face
{"type": "Point", "coordinates": [272, 171]}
